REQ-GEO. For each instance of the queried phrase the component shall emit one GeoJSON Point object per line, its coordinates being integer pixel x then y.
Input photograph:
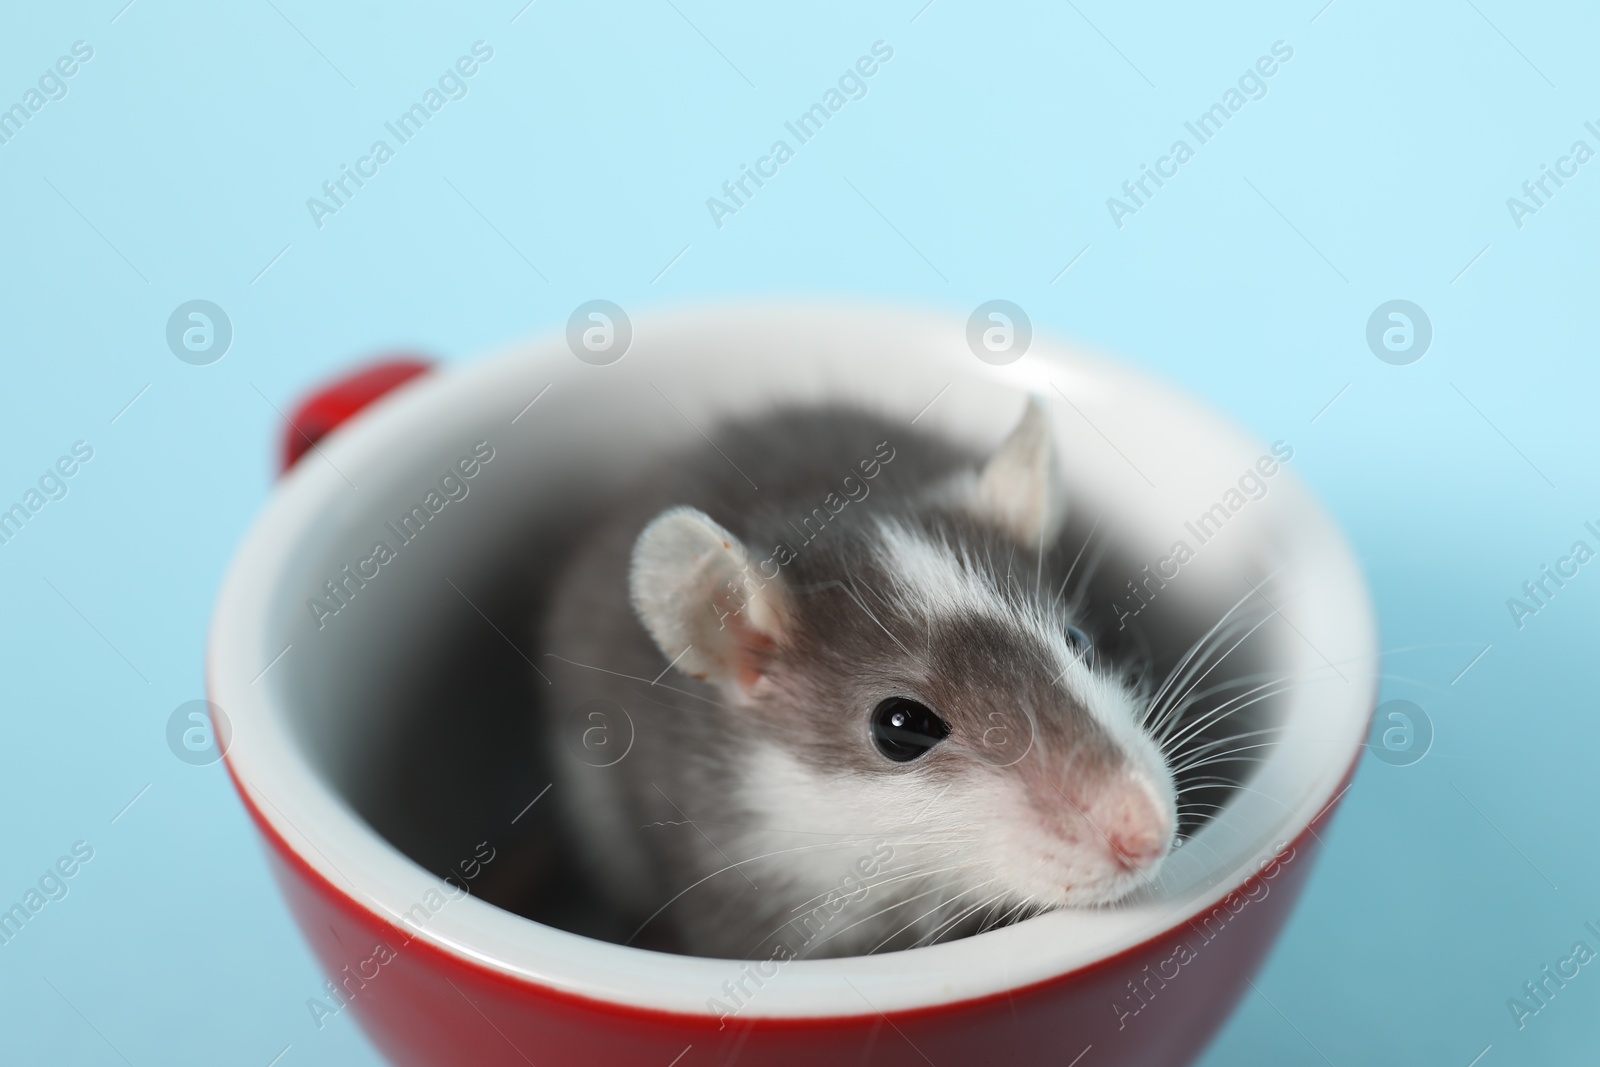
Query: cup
{"type": "Point", "coordinates": [373, 650]}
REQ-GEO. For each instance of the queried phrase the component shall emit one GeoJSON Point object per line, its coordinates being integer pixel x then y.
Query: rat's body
{"type": "Point", "coordinates": [879, 726]}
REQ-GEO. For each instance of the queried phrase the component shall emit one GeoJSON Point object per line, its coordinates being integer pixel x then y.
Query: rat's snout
{"type": "Point", "coordinates": [1136, 825]}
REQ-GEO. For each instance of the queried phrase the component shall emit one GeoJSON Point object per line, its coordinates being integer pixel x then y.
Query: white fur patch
{"type": "Point", "coordinates": [971, 839]}
{"type": "Point", "coordinates": [814, 827]}
{"type": "Point", "coordinates": [934, 578]}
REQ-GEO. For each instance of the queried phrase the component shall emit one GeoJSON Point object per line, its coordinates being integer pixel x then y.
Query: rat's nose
{"type": "Point", "coordinates": [1136, 825]}
{"type": "Point", "coordinates": [1136, 849]}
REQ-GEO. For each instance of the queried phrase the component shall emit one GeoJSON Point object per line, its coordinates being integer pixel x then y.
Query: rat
{"type": "Point", "coordinates": [815, 691]}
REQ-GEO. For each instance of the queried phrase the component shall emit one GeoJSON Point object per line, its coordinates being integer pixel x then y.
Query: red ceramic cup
{"type": "Point", "coordinates": [315, 637]}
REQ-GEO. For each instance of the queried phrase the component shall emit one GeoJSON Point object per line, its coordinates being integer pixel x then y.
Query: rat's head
{"type": "Point", "coordinates": [914, 675]}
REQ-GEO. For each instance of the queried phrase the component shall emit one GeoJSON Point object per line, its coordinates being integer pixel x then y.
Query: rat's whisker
{"type": "Point", "coordinates": [900, 903]}
{"type": "Point", "coordinates": [1229, 758]}
{"type": "Point", "coordinates": [1091, 568]}
{"type": "Point", "coordinates": [1241, 788]}
{"type": "Point", "coordinates": [987, 906]}
{"type": "Point", "coordinates": [1201, 643]}
{"type": "Point", "coordinates": [1195, 648]}
{"type": "Point", "coordinates": [1019, 911]}
{"type": "Point", "coordinates": [929, 913]}
{"type": "Point", "coordinates": [1171, 742]}
{"type": "Point", "coordinates": [1191, 805]}
{"type": "Point", "coordinates": [906, 873]}
{"type": "Point", "coordinates": [1233, 783]}
{"type": "Point", "coordinates": [953, 922]}
{"type": "Point", "coordinates": [988, 922]}
{"type": "Point", "coordinates": [1199, 750]}
{"type": "Point", "coordinates": [1191, 759]}
{"type": "Point", "coordinates": [1184, 678]}
{"type": "Point", "coordinates": [723, 870]}
{"type": "Point", "coordinates": [1283, 682]}
{"type": "Point", "coordinates": [1208, 782]}
{"type": "Point", "coordinates": [637, 678]}
{"type": "Point", "coordinates": [1189, 685]}
{"type": "Point", "coordinates": [1176, 723]}
{"type": "Point", "coordinates": [1086, 542]}
{"type": "Point", "coordinates": [1180, 748]}
{"type": "Point", "coordinates": [793, 918]}
{"type": "Point", "coordinates": [1201, 729]}
{"type": "Point", "coordinates": [1231, 682]}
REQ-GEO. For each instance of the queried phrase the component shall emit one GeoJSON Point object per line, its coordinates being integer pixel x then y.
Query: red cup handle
{"type": "Point", "coordinates": [326, 409]}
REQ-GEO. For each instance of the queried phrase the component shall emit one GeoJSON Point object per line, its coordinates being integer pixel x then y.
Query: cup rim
{"type": "Point", "coordinates": [294, 804]}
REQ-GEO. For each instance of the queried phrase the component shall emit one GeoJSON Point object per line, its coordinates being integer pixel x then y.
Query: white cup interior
{"type": "Point", "coordinates": [386, 740]}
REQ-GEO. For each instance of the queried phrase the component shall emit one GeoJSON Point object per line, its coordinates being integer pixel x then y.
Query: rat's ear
{"type": "Point", "coordinates": [1020, 485]}
{"type": "Point", "coordinates": [694, 588]}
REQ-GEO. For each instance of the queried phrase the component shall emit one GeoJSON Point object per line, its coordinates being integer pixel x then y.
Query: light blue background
{"type": "Point", "coordinates": [1377, 167]}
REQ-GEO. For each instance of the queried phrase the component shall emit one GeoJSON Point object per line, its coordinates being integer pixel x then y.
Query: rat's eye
{"type": "Point", "coordinates": [1081, 646]}
{"type": "Point", "coordinates": [904, 729]}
